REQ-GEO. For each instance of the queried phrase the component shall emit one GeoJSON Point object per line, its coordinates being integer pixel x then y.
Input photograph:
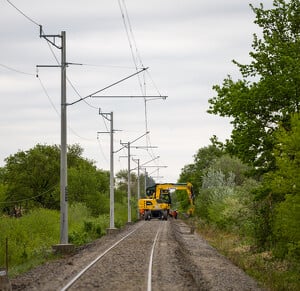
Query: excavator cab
{"type": "Point", "coordinates": [165, 196]}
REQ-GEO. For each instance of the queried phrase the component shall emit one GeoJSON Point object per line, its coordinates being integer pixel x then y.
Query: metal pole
{"type": "Point", "coordinates": [111, 183]}
{"type": "Point", "coordinates": [145, 180]}
{"type": "Point", "coordinates": [63, 150]}
{"type": "Point", "coordinates": [129, 194]}
{"type": "Point", "coordinates": [138, 187]}
{"type": "Point", "coordinates": [6, 255]}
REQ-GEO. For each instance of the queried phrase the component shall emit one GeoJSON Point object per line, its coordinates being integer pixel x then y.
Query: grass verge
{"type": "Point", "coordinates": [271, 273]}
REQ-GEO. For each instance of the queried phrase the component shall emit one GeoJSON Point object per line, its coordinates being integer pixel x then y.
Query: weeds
{"type": "Point", "coordinates": [272, 273]}
{"type": "Point", "coordinates": [31, 237]}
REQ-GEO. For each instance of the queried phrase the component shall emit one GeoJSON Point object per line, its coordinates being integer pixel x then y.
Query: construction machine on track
{"type": "Point", "coordinates": [158, 200]}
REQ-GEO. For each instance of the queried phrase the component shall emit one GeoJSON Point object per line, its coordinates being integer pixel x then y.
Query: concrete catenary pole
{"type": "Point", "coordinates": [129, 191]}
{"type": "Point", "coordinates": [63, 150]}
{"type": "Point", "coordinates": [111, 181]}
{"type": "Point", "coordinates": [138, 186]}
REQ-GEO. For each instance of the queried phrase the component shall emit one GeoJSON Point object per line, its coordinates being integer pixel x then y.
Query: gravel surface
{"type": "Point", "coordinates": [181, 261]}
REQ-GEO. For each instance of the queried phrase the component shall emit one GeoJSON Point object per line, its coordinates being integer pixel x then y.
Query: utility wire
{"type": "Point", "coordinates": [48, 96]}
{"type": "Point", "coordinates": [20, 11]}
{"type": "Point", "coordinates": [16, 70]}
{"type": "Point", "coordinates": [102, 151]}
{"type": "Point", "coordinates": [129, 33]}
{"type": "Point", "coordinates": [108, 66]}
{"type": "Point", "coordinates": [41, 83]}
{"type": "Point", "coordinates": [132, 35]}
{"type": "Point", "coordinates": [30, 198]}
{"type": "Point", "coordinates": [56, 110]}
{"type": "Point", "coordinates": [137, 59]}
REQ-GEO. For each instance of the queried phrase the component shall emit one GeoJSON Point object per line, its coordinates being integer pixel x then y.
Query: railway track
{"type": "Point", "coordinates": [148, 255]}
{"type": "Point", "coordinates": [90, 265]}
{"type": "Point", "coordinates": [129, 264]}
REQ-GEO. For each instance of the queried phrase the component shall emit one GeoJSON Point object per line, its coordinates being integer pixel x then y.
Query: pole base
{"type": "Point", "coordinates": [63, 249]}
{"type": "Point", "coordinates": [111, 230]}
{"type": "Point", "coordinates": [4, 281]}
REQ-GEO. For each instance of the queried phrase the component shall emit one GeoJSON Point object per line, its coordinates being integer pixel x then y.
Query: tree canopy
{"type": "Point", "coordinates": [269, 90]}
{"type": "Point", "coordinates": [31, 178]}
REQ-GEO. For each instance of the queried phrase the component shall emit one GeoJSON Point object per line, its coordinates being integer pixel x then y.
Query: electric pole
{"type": "Point", "coordinates": [63, 132]}
{"type": "Point", "coordinates": [129, 188]}
{"type": "Point", "coordinates": [63, 154]}
{"type": "Point", "coordinates": [110, 118]}
{"type": "Point", "coordinates": [127, 145]}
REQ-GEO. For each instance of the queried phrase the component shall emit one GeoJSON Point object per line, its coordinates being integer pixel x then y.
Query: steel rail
{"type": "Point", "coordinates": [149, 283]}
{"type": "Point", "coordinates": [74, 279]}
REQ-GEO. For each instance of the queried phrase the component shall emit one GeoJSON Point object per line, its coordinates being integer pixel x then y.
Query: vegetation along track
{"type": "Point", "coordinates": [152, 255]}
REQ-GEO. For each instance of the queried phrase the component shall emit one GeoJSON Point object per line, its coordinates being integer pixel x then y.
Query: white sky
{"type": "Point", "coordinates": [188, 46]}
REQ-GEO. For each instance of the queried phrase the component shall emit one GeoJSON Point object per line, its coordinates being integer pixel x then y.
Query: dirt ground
{"type": "Point", "coordinates": [182, 260]}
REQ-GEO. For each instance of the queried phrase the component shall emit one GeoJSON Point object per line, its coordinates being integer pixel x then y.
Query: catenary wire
{"type": "Point", "coordinates": [21, 12]}
{"type": "Point", "coordinates": [73, 87]}
{"type": "Point", "coordinates": [16, 70]}
{"type": "Point", "coordinates": [135, 58]}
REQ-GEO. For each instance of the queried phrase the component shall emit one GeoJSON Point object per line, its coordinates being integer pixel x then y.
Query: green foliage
{"type": "Point", "coordinates": [257, 108]}
{"type": "Point", "coordinates": [287, 228]}
{"type": "Point", "coordinates": [264, 108]}
{"type": "Point", "coordinates": [30, 242]}
{"type": "Point", "coordinates": [122, 182]}
{"type": "Point", "coordinates": [90, 186]}
{"type": "Point", "coordinates": [285, 185]}
{"type": "Point", "coordinates": [84, 227]}
{"type": "Point", "coordinates": [277, 200]}
{"type": "Point", "coordinates": [34, 173]}
{"type": "Point", "coordinates": [202, 159]}
{"type": "Point", "coordinates": [121, 214]}
{"type": "Point", "coordinates": [3, 189]}
{"type": "Point", "coordinates": [286, 178]}
{"type": "Point", "coordinates": [225, 198]}
{"type": "Point", "coordinates": [27, 238]}
{"type": "Point", "coordinates": [180, 201]}
{"type": "Point", "coordinates": [270, 272]}
{"type": "Point", "coordinates": [31, 179]}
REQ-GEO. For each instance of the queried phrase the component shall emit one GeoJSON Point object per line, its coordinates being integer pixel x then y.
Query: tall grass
{"type": "Point", "coordinates": [272, 273]}
{"type": "Point", "coordinates": [31, 237]}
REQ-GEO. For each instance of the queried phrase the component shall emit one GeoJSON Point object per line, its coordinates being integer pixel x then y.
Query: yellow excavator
{"type": "Point", "coordinates": [157, 201]}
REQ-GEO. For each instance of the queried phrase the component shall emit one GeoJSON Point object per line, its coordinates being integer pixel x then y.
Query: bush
{"type": "Point", "coordinates": [287, 227]}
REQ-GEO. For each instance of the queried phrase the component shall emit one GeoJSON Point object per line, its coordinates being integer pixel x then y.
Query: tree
{"type": "Point", "coordinates": [269, 90]}
{"type": "Point", "coordinates": [284, 185]}
{"type": "Point", "coordinates": [277, 199]}
{"type": "Point", "coordinates": [286, 178]}
{"type": "Point", "coordinates": [202, 159]}
{"type": "Point", "coordinates": [122, 181]}
{"type": "Point", "coordinates": [3, 190]}
{"type": "Point", "coordinates": [224, 197]}
{"type": "Point", "coordinates": [32, 178]}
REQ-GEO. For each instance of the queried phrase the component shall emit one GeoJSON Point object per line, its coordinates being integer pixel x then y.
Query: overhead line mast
{"type": "Point", "coordinates": [63, 150]}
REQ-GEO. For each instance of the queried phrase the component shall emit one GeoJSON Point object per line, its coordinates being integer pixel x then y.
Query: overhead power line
{"type": "Point", "coordinates": [16, 70]}
{"type": "Point", "coordinates": [21, 12]}
{"type": "Point", "coordinates": [29, 198]}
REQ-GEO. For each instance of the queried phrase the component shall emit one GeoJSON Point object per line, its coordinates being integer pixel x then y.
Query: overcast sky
{"type": "Point", "coordinates": [188, 46]}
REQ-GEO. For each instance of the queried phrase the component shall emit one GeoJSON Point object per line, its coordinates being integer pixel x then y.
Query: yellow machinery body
{"type": "Point", "coordinates": [157, 202]}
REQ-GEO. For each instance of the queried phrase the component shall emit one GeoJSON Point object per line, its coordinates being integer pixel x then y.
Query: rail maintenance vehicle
{"type": "Point", "coordinates": [158, 200]}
